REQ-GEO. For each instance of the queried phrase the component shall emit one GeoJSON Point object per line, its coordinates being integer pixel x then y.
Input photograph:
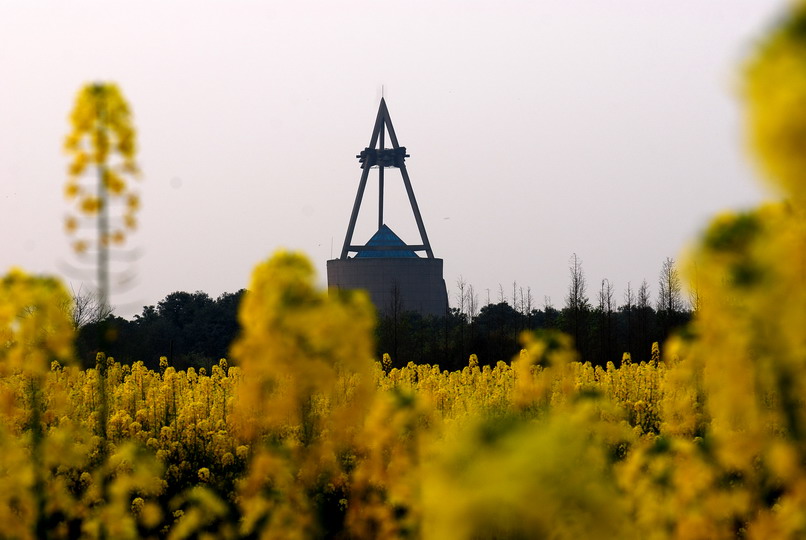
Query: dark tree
{"type": "Point", "coordinates": [577, 305]}
{"type": "Point", "coordinates": [190, 328]}
{"type": "Point", "coordinates": [497, 333]}
{"type": "Point", "coordinates": [605, 319]}
{"type": "Point", "coordinates": [627, 314]}
{"type": "Point", "coordinates": [645, 317]}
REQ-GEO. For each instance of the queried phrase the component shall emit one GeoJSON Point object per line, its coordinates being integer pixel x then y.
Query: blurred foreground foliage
{"type": "Point", "coordinates": [309, 437]}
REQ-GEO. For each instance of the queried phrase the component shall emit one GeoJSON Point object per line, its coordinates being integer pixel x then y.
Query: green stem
{"type": "Point", "coordinates": [41, 526]}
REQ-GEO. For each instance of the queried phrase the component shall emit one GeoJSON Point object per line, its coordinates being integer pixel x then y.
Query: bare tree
{"type": "Point", "coordinates": [576, 303]}
{"type": "Point", "coordinates": [521, 301]}
{"type": "Point", "coordinates": [526, 304]}
{"type": "Point", "coordinates": [643, 309]}
{"type": "Point", "coordinates": [460, 296]}
{"type": "Point", "coordinates": [472, 302]}
{"type": "Point", "coordinates": [670, 294]}
{"type": "Point", "coordinates": [670, 297]}
{"type": "Point", "coordinates": [87, 307]}
{"type": "Point", "coordinates": [473, 310]}
{"type": "Point", "coordinates": [601, 296]}
{"type": "Point", "coordinates": [606, 308]}
{"type": "Point", "coordinates": [627, 309]}
{"type": "Point", "coordinates": [629, 297]}
{"type": "Point", "coordinates": [606, 294]}
{"type": "Point", "coordinates": [576, 299]}
{"type": "Point", "coordinates": [643, 298]}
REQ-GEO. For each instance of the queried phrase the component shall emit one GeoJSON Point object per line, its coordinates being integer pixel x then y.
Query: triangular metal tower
{"type": "Point", "coordinates": [376, 154]}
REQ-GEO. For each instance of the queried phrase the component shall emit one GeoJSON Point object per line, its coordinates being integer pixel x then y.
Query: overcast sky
{"type": "Point", "coordinates": [607, 128]}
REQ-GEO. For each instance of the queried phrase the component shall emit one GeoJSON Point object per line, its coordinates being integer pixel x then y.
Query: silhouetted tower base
{"type": "Point", "coordinates": [396, 278]}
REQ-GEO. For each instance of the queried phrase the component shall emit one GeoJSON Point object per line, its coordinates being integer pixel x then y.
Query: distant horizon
{"type": "Point", "coordinates": [538, 303]}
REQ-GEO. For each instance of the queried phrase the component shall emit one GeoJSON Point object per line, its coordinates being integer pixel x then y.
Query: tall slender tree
{"type": "Point", "coordinates": [576, 302]}
{"type": "Point", "coordinates": [670, 296]}
{"type": "Point", "coordinates": [627, 309]}
{"type": "Point", "coordinates": [644, 315]}
{"type": "Point", "coordinates": [605, 308]}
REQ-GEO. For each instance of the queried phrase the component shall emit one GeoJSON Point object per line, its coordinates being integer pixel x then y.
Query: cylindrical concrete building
{"type": "Point", "coordinates": [397, 280]}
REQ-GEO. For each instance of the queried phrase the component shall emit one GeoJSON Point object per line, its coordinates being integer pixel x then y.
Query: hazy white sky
{"type": "Point", "coordinates": [609, 128]}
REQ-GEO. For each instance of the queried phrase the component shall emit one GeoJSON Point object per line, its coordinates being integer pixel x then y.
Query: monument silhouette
{"type": "Point", "coordinates": [396, 277]}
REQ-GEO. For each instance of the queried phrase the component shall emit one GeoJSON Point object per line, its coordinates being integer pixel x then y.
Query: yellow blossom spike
{"type": "Point", "coordinates": [775, 91]}
{"type": "Point", "coordinates": [102, 141]}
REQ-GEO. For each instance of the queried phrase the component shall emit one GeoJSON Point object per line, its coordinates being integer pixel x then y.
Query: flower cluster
{"type": "Point", "coordinates": [101, 128]}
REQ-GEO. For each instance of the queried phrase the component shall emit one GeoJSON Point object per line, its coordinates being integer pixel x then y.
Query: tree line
{"type": "Point", "coordinates": [603, 328]}
{"type": "Point", "coordinates": [193, 329]}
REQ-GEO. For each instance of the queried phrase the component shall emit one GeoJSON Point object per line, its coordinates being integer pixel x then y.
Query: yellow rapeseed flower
{"type": "Point", "coordinates": [90, 205]}
{"type": "Point", "coordinates": [37, 328]}
{"type": "Point", "coordinates": [775, 91]}
{"type": "Point", "coordinates": [101, 127]}
{"type": "Point", "coordinates": [71, 190]}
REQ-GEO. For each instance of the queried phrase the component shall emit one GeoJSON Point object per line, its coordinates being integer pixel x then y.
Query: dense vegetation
{"type": "Point", "coordinates": [601, 333]}
{"type": "Point", "coordinates": [194, 330]}
{"type": "Point", "coordinates": [191, 329]}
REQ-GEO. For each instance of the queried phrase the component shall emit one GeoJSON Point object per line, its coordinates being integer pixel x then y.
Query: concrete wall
{"type": "Point", "coordinates": [419, 282]}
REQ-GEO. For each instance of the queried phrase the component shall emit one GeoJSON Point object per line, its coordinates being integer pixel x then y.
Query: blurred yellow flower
{"type": "Point", "coordinates": [71, 190]}
{"type": "Point", "coordinates": [90, 205]}
{"type": "Point", "coordinates": [70, 224]}
{"type": "Point", "coordinates": [101, 126]}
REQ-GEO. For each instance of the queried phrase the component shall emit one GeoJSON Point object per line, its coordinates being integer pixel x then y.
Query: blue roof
{"type": "Point", "coordinates": [385, 237]}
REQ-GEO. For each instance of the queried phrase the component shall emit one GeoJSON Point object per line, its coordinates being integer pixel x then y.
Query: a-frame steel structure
{"type": "Point", "coordinates": [376, 154]}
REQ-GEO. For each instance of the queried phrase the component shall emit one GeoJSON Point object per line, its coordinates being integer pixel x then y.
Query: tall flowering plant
{"type": "Point", "coordinates": [102, 140]}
